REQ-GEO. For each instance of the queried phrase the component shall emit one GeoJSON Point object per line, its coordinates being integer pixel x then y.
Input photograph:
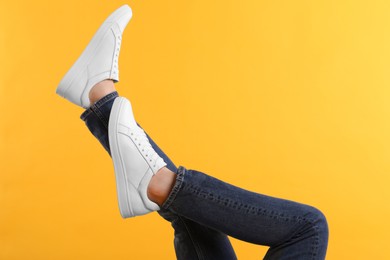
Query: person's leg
{"type": "Point", "coordinates": [191, 240]}
{"type": "Point", "coordinates": [291, 230]}
{"type": "Point", "coordinates": [99, 63]}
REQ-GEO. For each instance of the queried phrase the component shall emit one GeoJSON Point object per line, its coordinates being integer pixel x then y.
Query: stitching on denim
{"type": "Point", "coordinates": [96, 108]}
{"type": "Point", "coordinates": [98, 104]}
{"type": "Point", "coordinates": [176, 188]}
{"type": "Point", "coordinates": [196, 245]}
{"type": "Point", "coordinates": [313, 224]}
{"type": "Point", "coordinates": [196, 190]}
{"type": "Point", "coordinates": [99, 114]}
{"type": "Point", "coordinates": [264, 212]}
{"type": "Point", "coordinates": [239, 205]}
{"type": "Point", "coordinates": [105, 99]}
{"type": "Point", "coordinates": [315, 242]}
{"type": "Point", "coordinates": [86, 114]}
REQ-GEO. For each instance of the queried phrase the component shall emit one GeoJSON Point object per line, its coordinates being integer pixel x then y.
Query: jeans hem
{"type": "Point", "coordinates": [95, 107]}
{"type": "Point", "coordinates": [176, 188]}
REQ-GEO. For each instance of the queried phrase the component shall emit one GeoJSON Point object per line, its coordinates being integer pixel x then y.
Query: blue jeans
{"type": "Point", "coordinates": [204, 210]}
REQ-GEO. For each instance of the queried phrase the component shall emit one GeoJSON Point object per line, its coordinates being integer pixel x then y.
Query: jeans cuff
{"type": "Point", "coordinates": [176, 188]}
{"type": "Point", "coordinates": [98, 104]}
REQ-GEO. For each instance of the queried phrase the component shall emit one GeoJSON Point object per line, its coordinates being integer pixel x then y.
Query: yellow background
{"type": "Point", "coordinates": [286, 98]}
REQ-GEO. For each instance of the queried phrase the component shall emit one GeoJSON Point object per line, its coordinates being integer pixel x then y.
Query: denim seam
{"type": "Point", "coordinates": [105, 99]}
{"type": "Point", "coordinates": [314, 245]}
{"type": "Point", "coordinates": [100, 115]}
{"type": "Point", "coordinates": [98, 104]}
{"type": "Point", "coordinates": [315, 242]}
{"type": "Point", "coordinates": [239, 205]}
{"type": "Point", "coordinates": [196, 245]}
{"type": "Point", "coordinates": [86, 114]}
{"type": "Point", "coordinates": [259, 211]}
{"type": "Point", "coordinates": [176, 188]}
{"type": "Point", "coordinates": [197, 191]}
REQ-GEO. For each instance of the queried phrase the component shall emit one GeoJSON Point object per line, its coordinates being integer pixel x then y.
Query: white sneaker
{"type": "Point", "coordinates": [99, 60]}
{"type": "Point", "coordinates": [135, 161]}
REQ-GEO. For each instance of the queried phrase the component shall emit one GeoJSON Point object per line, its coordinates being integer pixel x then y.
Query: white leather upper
{"type": "Point", "coordinates": [128, 127]}
{"type": "Point", "coordinates": [99, 60]}
{"type": "Point", "coordinates": [135, 160]}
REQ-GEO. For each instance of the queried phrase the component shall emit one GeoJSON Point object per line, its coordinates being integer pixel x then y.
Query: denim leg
{"type": "Point", "coordinates": [192, 241]}
{"type": "Point", "coordinates": [291, 230]}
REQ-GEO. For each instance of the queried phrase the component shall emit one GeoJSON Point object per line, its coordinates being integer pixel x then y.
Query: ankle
{"type": "Point", "coordinates": [161, 185]}
{"type": "Point", "coordinates": [100, 90]}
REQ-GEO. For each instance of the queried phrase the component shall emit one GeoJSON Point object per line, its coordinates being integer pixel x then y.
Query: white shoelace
{"type": "Point", "coordinates": [115, 70]}
{"type": "Point", "coordinates": [141, 140]}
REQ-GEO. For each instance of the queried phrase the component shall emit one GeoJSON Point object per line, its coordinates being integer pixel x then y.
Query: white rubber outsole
{"type": "Point", "coordinates": [121, 180]}
{"type": "Point", "coordinates": [85, 58]}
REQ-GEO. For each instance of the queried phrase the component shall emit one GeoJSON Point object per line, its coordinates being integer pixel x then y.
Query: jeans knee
{"type": "Point", "coordinates": [319, 222]}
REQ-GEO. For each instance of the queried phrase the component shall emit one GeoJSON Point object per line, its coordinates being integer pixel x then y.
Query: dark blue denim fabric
{"type": "Point", "coordinates": [192, 241]}
{"type": "Point", "coordinates": [291, 230]}
{"type": "Point", "coordinates": [203, 210]}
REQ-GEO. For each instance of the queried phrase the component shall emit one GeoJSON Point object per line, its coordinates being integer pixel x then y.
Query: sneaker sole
{"type": "Point", "coordinates": [85, 58]}
{"type": "Point", "coordinates": [121, 180]}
